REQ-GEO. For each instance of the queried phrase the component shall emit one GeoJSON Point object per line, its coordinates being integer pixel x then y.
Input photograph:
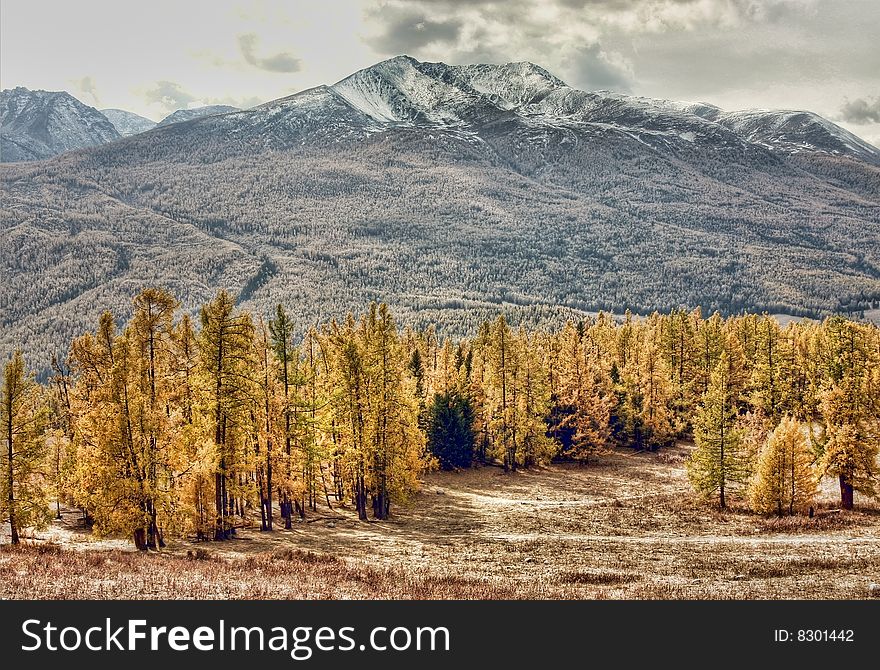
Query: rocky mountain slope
{"type": "Point", "coordinates": [195, 113]}
{"type": "Point", "coordinates": [128, 123]}
{"type": "Point", "coordinates": [40, 124]}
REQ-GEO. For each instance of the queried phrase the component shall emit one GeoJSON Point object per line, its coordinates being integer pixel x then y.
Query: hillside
{"type": "Point", "coordinates": [438, 188]}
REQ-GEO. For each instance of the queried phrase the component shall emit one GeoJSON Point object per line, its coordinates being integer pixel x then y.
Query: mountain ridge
{"type": "Point", "coordinates": [402, 90]}
{"type": "Point", "coordinates": [39, 124]}
{"type": "Point", "coordinates": [189, 114]}
{"type": "Point", "coordinates": [128, 123]}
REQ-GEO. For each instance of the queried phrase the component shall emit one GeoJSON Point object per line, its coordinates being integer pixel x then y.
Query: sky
{"type": "Point", "coordinates": [155, 56]}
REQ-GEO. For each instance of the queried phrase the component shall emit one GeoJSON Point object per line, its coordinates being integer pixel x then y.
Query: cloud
{"type": "Point", "coordinates": [86, 87]}
{"type": "Point", "coordinates": [593, 69]}
{"type": "Point", "coordinates": [664, 15]}
{"type": "Point", "coordinates": [406, 30]}
{"type": "Point", "coordinates": [280, 62]}
{"type": "Point", "coordinates": [861, 111]}
{"type": "Point", "coordinates": [170, 95]}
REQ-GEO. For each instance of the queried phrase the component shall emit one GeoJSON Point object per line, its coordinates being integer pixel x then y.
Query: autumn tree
{"type": "Point", "coordinates": [396, 444]}
{"type": "Point", "coordinates": [313, 444]}
{"type": "Point", "coordinates": [480, 387]}
{"type": "Point", "coordinates": [533, 396]}
{"type": "Point", "coordinates": [150, 333]}
{"type": "Point", "coordinates": [502, 355]}
{"type": "Point", "coordinates": [267, 419]}
{"type": "Point", "coordinates": [848, 405]}
{"type": "Point", "coordinates": [281, 330]}
{"type": "Point", "coordinates": [225, 353]}
{"type": "Point", "coordinates": [113, 464]}
{"type": "Point", "coordinates": [851, 449]}
{"type": "Point", "coordinates": [784, 480]}
{"type": "Point", "coordinates": [193, 464]}
{"type": "Point", "coordinates": [773, 371]}
{"type": "Point", "coordinates": [128, 422]}
{"type": "Point", "coordinates": [710, 341]}
{"type": "Point", "coordinates": [376, 410]}
{"type": "Point", "coordinates": [644, 415]}
{"type": "Point", "coordinates": [581, 416]}
{"type": "Point", "coordinates": [350, 408]}
{"type": "Point", "coordinates": [61, 426]}
{"type": "Point", "coordinates": [677, 346]}
{"type": "Point", "coordinates": [23, 415]}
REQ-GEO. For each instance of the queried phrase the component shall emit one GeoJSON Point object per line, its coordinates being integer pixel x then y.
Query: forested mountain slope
{"type": "Point", "coordinates": [454, 189]}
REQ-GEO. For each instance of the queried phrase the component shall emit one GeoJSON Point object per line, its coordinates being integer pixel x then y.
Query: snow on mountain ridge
{"type": "Point", "coordinates": [511, 85]}
{"type": "Point", "coordinates": [128, 123]}
{"type": "Point", "coordinates": [481, 98]}
{"type": "Point", "coordinates": [195, 113]}
{"type": "Point", "coordinates": [795, 131]}
{"type": "Point", "coordinates": [403, 90]}
{"type": "Point", "coordinates": [39, 124]}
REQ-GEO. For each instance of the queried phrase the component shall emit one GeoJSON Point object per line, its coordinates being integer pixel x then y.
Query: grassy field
{"type": "Point", "coordinates": [626, 528]}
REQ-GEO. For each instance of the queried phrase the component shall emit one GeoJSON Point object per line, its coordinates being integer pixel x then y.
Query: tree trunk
{"type": "Point", "coordinates": [846, 494]}
{"type": "Point", "coordinates": [360, 498]}
{"type": "Point", "coordinates": [10, 477]}
{"type": "Point", "coordinates": [269, 485]}
{"type": "Point", "coordinates": [219, 525]}
{"type": "Point", "coordinates": [287, 513]}
{"type": "Point", "coordinates": [381, 506]}
{"type": "Point", "coordinates": [324, 484]}
{"type": "Point", "coordinates": [154, 537]}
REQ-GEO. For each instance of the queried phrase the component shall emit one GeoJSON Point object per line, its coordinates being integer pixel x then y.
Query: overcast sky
{"type": "Point", "coordinates": [155, 56]}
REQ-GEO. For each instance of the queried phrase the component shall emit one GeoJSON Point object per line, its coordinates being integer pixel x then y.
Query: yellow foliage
{"type": "Point", "coordinates": [784, 481]}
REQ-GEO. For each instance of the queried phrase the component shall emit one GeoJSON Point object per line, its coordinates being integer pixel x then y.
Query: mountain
{"type": "Point", "coordinates": [128, 123]}
{"type": "Point", "coordinates": [790, 131]}
{"type": "Point", "coordinates": [450, 192]}
{"type": "Point", "coordinates": [39, 124]}
{"type": "Point", "coordinates": [196, 113]}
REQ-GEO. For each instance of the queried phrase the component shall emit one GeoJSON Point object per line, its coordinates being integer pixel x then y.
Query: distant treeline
{"type": "Point", "coordinates": [167, 427]}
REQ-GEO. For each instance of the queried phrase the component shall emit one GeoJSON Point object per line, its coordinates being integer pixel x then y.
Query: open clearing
{"type": "Point", "coordinates": [628, 527]}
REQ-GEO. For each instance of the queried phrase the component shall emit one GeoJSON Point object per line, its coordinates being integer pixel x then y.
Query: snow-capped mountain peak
{"type": "Point", "coordinates": [403, 90]}
{"type": "Point", "coordinates": [512, 85]}
{"type": "Point", "coordinates": [39, 124]}
{"type": "Point", "coordinates": [479, 100]}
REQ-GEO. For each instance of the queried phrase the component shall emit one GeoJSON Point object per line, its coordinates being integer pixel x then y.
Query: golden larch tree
{"type": "Point", "coordinates": [784, 481]}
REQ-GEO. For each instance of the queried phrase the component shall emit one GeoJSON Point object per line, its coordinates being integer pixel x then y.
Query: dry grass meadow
{"type": "Point", "coordinates": [626, 528]}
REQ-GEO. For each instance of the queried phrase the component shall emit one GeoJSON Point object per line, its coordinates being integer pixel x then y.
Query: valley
{"type": "Point", "coordinates": [626, 527]}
